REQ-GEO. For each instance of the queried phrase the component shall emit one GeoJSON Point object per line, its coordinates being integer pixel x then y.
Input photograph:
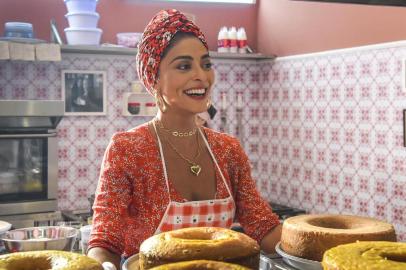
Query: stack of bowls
{"type": "Point", "coordinates": [83, 19]}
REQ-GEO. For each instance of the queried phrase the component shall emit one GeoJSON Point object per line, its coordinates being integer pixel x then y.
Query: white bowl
{"type": "Point", "coordinates": [81, 5]}
{"type": "Point", "coordinates": [83, 19]}
{"type": "Point", "coordinates": [83, 36]}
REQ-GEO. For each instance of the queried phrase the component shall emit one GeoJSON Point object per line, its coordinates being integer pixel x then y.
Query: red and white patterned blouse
{"type": "Point", "coordinates": [132, 196]}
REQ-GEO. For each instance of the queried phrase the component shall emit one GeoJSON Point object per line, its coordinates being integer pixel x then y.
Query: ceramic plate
{"type": "Point", "coordinates": [4, 226]}
{"type": "Point", "coordinates": [296, 262]}
{"type": "Point", "coordinates": [23, 40]}
{"type": "Point", "coordinates": [131, 263]}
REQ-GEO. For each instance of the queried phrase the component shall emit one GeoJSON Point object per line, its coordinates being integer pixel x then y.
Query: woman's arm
{"type": "Point", "coordinates": [103, 255]}
{"type": "Point", "coordinates": [270, 240]}
{"type": "Point", "coordinates": [253, 212]}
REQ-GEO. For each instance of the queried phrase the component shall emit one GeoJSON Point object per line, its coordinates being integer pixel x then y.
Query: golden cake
{"type": "Point", "coordinates": [376, 255]}
{"type": "Point", "coordinates": [46, 260]}
{"type": "Point", "coordinates": [199, 243]}
{"type": "Point", "coordinates": [309, 236]}
{"type": "Point", "coordinates": [200, 265]}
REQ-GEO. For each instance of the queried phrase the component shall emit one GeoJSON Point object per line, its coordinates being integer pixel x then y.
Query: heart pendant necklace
{"type": "Point", "coordinates": [194, 167]}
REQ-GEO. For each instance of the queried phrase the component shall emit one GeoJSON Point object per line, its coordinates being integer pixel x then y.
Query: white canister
{"type": "Point", "coordinates": [83, 19]}
{"type": "Point", "coordinates": [81, 5]}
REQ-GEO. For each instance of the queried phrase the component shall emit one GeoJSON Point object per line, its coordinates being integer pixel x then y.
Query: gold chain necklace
{"type": "Point", "coordinates": [194, 167]}
{"type": "Point", "coordinates": [176, 133]}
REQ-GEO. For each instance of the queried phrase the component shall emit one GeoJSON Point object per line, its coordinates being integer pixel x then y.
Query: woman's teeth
{"type": "Point", "coordinates": [195, 92]}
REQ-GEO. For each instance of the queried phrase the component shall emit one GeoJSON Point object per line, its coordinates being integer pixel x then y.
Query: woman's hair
{"type": "Point", "coordinates": [176, 39]}
{"type": "Point", "coordinates": [157, 36]}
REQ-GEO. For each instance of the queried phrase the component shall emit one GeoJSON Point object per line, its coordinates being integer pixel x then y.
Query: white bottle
{"type": "Point", "coordinates": [232, 35]}
{"type": "Point", "coordinates": [242, 40]}
{"type": "Point", "coordinates": [223, 43]}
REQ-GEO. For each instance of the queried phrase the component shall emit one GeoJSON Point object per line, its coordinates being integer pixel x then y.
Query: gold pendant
{"type": "Point", "coordinates": [196, 169]}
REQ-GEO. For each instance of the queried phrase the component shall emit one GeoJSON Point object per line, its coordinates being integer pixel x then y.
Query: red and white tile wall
{"type": "Point", "coordinates": [335, 141]}
{"type": "Point", "coordinates": [323, 132]}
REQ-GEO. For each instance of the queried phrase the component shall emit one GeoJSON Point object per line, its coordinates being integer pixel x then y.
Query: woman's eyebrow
{"type": "Point", "coordinates": [181, 57]}
{"type": "Point", "coordinates": [205, 56]}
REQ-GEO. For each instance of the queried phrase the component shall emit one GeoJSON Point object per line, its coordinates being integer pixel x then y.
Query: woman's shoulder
{"type": "Point", "coordinates": [220, 139]}
{"type": "Point", "coordinates": [139, 135]}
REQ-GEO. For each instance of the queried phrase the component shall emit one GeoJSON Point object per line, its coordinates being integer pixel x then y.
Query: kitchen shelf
{"type": "Point", "coordinates": [115, 50]}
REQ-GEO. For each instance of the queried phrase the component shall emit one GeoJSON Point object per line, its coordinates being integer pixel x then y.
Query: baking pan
{"type": "Point", "coordinates": [296, 262]}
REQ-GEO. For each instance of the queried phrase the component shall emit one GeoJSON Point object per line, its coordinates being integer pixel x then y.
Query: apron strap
{"type": "Point", "coordinates": [215, 161]}
{"type": "Point", "coordinates": [163, 161]}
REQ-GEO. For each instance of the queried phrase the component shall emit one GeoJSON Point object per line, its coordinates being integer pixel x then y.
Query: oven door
{"type": "Point", "coordinates": [28, 173]}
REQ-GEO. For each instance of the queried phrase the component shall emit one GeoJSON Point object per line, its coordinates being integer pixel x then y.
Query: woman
{"type": "Point", "coordinates": [155, 175]}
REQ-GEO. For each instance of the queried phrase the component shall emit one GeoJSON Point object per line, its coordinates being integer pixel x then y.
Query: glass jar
{"type": "Point", "coordinates": [134, 107]}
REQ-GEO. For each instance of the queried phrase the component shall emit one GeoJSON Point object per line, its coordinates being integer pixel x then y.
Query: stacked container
{"type": "Point", "coordinates": [83, 19]}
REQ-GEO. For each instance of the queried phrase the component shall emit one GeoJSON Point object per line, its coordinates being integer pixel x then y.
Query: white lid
{"type": "Point", "coordinates": [241, 34]}
{"type": "Point", "coordinates": [83, 29]}
{"type": "Point", "coordinates": [82, 13]}
{"type": "Point", "coordinates": [223, 34]}
{"type": "Point", "coordinates": [232, 33]}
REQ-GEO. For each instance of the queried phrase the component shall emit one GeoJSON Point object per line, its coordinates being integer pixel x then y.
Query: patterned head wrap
{"type": "Point", "coordinates": [156, 37]}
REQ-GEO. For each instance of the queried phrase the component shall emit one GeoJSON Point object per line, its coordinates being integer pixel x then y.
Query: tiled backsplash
{"type": "Point", "coordinates": [323, 131]}
{"type": "Point", "coordinates": [334, 137]}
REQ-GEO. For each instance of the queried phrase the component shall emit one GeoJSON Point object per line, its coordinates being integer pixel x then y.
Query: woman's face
{"type": "Point", "coordinates": [186, 76]}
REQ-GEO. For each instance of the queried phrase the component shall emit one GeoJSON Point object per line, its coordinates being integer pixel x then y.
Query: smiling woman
{"type": "Point", "coordinates": [170, 173]}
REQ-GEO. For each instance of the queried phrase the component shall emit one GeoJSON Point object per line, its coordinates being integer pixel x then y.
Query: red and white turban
{"type": "Point", "coordinates": [156, 37]}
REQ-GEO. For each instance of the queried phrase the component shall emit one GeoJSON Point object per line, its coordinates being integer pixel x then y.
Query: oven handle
{"type": "Point", "coordinates": [7, 136]}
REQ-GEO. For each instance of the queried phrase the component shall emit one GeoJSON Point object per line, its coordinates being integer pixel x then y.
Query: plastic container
{"type": "Point", "coordinates": [83, 36]}
{"type": "Point", "coordinates": [223, 43]}
{"type": "Point", "coordinates": [83, 19]}
{"type": "Point", "coordinates": [18, 30]}
{"type": "Point", "coordinates": [81, 5]}
{"type": "Point", "coordinates": [232, 35]}
{"type": "Point", "coordinates": [84, 237]}
{"type": "Point", "coordinates": [130, 40]}
{"type": "Point", "coordinates": [134, 107]}
{"type": "Point", "coordinates": [242, 40]}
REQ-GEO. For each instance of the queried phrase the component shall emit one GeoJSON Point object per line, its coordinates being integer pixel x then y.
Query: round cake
{"type": "Point", "coordinates": [199, 243]}
{"type": "Point", "coordinates": [377, 255]}
{"type": "Point", "coordinates": [309, 236]}
{"type": "Point", "coordinates": [47, 259]}
{"type": "Point", "coordinates": [200, 265]}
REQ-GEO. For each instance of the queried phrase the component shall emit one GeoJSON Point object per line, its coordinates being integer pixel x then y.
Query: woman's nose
{"type": "Point", "coordinates": [200, 74]}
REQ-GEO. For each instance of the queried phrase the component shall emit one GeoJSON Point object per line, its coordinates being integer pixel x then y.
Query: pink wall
{"type": "Point", "coordinates": [288, 27]}
{"type": "Point", "coordinates": [130, 16]}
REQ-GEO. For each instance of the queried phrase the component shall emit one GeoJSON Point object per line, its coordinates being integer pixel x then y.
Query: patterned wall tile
{"type": "Point", "coordinates": [322, 132]}
{"type": "Point", "coordinates": [344, 127]}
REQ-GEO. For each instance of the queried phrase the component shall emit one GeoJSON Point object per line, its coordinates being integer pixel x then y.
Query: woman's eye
{"type": "Point", "coordinates": [207, 65]}
{"type": "Point", "coordinates": [183, 67]}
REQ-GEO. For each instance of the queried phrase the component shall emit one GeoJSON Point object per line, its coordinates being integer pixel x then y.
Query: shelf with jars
{"type": "Point", "coordinates": [138, 102]}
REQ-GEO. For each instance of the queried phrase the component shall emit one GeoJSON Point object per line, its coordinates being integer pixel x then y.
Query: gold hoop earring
{"type": "Point", "coordinates": [160, 102]}
{"type": "Point", "coordinates": [208, 103]}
